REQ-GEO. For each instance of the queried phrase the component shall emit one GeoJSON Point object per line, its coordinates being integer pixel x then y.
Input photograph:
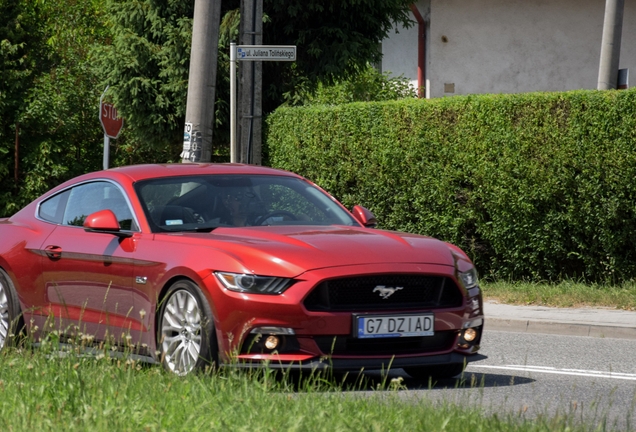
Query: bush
{"type": "Point", "coordinates": [367, 85]}
{"type": "Point", "coordinates": [533, 186]}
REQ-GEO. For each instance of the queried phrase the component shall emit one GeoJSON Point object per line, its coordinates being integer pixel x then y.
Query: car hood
{"type": "Point", "coordinates": [292, 250]}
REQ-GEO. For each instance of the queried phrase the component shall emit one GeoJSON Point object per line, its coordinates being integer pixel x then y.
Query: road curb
{"type": "Point", "coordinates": [553, 327]}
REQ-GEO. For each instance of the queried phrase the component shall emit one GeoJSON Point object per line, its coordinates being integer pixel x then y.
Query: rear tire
{"type": "Point", "coordinates": [437, 372]}
{"type": "Point", "coordinates": [11, 322]}
{"type": "Point", "coordinates": [185, 330]}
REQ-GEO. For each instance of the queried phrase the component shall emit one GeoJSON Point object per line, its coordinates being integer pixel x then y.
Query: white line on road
{"type": "Point", "coordinates": [551, 370]}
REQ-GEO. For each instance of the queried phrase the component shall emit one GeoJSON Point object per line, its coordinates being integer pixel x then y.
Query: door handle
{"type": "Point", "coordinates": [53, 252]}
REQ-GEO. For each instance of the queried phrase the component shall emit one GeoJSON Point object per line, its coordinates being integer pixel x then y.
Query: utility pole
{"type": "Point", "coordinates": [611, 44]}
{"type": "Point", "coordinates": [250, 85]}
{"type": "Point", "coordinates": [197, 139]}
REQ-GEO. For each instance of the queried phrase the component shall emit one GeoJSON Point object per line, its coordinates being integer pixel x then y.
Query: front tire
{"type": "Point", "coordinates": [437, 372]}
{"type": "Point", "coordinates": [185, 330]}
{"type": "Point", "coordinates": [11, 322]}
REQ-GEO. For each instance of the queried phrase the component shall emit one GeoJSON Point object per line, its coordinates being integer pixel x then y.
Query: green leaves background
{"type": "Point", "coordinates": [533, 186]}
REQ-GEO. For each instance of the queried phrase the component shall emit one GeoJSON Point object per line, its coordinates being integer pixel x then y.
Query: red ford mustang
{"type": "Point", "coordinates": [192, 264]}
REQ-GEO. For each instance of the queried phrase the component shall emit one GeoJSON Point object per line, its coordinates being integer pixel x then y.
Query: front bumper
{"type": "Point", "coordinates": [239, 315]}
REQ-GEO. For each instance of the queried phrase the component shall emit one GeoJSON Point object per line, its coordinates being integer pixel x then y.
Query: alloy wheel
{"type": "Point", "coordinates": [5, 319]}
{"type": "Point", "coordinates": [180, 334]}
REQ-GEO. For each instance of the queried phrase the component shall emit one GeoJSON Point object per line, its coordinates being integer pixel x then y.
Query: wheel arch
{"type": "Point", "coordinates": [202, 290]}
{"type": "Point", "coordinates": [211, 352]}
{"type": "Point", "coordinates": [16, 323]}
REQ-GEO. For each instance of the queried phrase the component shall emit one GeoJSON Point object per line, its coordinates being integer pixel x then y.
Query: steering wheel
{"type": "Point", "coordinates": [261, 219]}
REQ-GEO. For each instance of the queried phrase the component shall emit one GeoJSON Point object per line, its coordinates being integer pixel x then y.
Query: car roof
{"type": "Point", "coordinates": [142, 172]}
{"type": "Point", "coordinates": [130, 174]}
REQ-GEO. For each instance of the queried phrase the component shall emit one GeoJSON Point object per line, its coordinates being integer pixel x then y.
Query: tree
{"type": "Point", "coordinates": [21, 41]}
{"type": "Point", "coordinates": [146, 63]}
{"type": "Point", "coordinates": [146, 66]}
{"type": "Point", "coordinates": [49, 90]}
{"type": "Point", "coordinates": [336, 39]}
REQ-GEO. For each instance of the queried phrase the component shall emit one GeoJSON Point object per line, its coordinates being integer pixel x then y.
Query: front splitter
{"type": "Point", "coordinates": [365, 364]}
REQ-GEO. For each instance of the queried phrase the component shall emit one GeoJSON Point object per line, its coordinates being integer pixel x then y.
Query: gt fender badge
{"type": "Point", "coordinates": [386, 292]}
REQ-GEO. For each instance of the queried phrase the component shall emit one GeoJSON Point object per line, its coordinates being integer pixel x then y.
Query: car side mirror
{"type": "Point", "coordinates": [364, 216]}
{"type": "Point", "coordinates": [105, 222]}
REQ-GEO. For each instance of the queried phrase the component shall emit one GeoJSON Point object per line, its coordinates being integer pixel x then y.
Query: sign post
{"type": "Point", "coordinates": [251, 53]}
{"type": "Point", "coordinates": [111, 123]}
{"type": "Point", "coordinates": [233, 152]}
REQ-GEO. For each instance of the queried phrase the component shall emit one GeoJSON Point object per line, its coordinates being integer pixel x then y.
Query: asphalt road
{"type": "Point", "coordinates": [591, 379]}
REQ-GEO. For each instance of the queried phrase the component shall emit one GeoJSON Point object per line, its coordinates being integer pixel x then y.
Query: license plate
{"type": "Point", "coordinates": [376, 326]}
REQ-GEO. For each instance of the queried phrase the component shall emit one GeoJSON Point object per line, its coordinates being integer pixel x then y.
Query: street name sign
{"type": "Point", "coordinates": [250, 53]}
{"type": "Point", "coordinates": [266, 52]}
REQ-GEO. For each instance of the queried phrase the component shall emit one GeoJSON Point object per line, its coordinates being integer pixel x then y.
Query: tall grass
{"type": "Point", "coordinates": [56, 388]}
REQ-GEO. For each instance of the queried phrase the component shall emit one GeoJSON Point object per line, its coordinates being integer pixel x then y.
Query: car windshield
{"type": "Point", "coordinates": [202, 203]}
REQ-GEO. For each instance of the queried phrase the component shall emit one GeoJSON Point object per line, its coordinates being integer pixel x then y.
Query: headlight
{"type": "Point", "coordinates": [253, 284]}
{"type": "Point", "coordinates": [469, 279]}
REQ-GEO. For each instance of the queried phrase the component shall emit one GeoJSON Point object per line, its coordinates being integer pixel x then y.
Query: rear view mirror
{"type": "Point", "coordinates": [364, 216]}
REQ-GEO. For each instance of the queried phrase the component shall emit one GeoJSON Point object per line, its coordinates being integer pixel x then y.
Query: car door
{"type": "Point", "coordinates": [86, 279]}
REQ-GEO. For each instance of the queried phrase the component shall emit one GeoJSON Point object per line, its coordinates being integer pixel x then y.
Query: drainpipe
{"type": "Point", "coordinates": [421, 53]}
{"type": "Point", "coordinates": [611, 44]}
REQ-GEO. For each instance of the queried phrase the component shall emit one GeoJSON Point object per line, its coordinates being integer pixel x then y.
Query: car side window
{"type": "Point", "coordinates": [91, 197]}
{"type": "Point", "coordinates": [52, 210]}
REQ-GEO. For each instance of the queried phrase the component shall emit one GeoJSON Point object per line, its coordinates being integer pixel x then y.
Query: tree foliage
{"type": "Point", "coordinates": [532, 186]}
{"type": "Point", "coordinates": [56, 58]}
{"type": "Point", "coordinates": [50, 92]}
{"type": "Point", "coordinates": [21, 44]}
{"type": "Point", "coordinates": [335, 39]}
{"type": "Point", "coordinates": [369, 85]}
{"type": "Point", "coordinates": [22, 51]}
{"type": "Point", "coordinates": [146, 64]}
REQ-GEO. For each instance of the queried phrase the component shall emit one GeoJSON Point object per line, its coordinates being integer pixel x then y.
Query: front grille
{"type": "Point", "coordinates": [344, 345]}
{"type": "Point", "coordinates": [365, 293]}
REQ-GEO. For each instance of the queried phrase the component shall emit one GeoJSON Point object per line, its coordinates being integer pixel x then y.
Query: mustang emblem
{"type": "Point", "coordinates": [386, 292]}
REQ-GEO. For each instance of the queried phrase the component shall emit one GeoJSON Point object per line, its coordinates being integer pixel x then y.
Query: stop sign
{"type": "Point", "coordinates": [111, 122]}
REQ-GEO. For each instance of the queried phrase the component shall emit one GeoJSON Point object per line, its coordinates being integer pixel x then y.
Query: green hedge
{"type": "Point", "coordinates": [536, 186]}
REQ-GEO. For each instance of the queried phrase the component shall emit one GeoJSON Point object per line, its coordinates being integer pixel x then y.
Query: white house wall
{"type": "Point", "coordinates": [508, 46]}
{"type": "Point", "coordinates": [399, 51]}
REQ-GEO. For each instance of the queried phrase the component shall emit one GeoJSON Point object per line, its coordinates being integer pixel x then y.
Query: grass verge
{"type": "Point", "coordinates": [563, 294]}
{"type": "Point", "coordinates": [45, 391]}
